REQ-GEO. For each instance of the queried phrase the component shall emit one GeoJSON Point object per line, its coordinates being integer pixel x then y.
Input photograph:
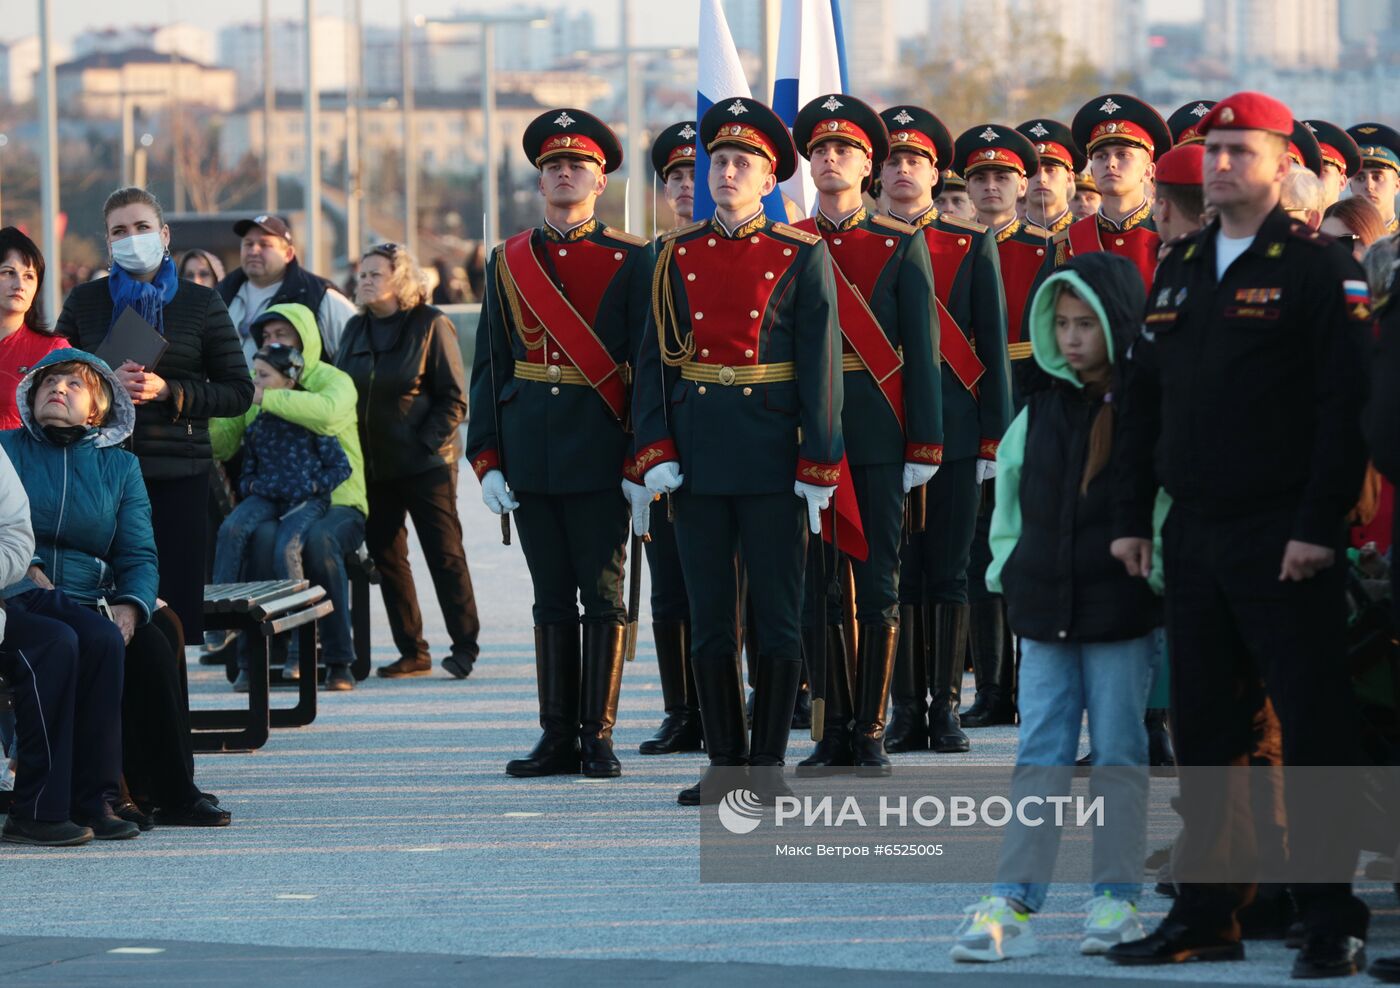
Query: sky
{"type": "Point", "coordinates": [670, 23]}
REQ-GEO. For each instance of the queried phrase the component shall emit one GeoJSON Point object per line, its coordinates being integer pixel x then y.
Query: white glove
{"type": "Point", "coordinates": [817, 499]}
{"type": "Point", "coordinates": [664, 477]}
{"type": "Point", "coordinates": [496, 494]}
{"type": "Point", "coordinates": [639, 499]}
{"type": "Point", "coordinates": [917, 475]}
{"type": "Point", "coordinates": [986, 470]}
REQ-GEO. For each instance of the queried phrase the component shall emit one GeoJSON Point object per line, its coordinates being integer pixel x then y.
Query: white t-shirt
{"type": "Point", "coordinates": [1226, 250]}
{"type": "Point", "coordinates": [246, 306]}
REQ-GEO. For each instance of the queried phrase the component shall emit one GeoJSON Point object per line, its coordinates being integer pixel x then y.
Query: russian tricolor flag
{"type": "Point", "coordinates": [811, 61]}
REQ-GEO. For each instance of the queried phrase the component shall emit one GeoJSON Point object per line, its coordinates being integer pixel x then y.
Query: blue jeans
{"type": "Point", "coordinates": [324, 547]}
{"type": "Point", "coordinates": [1059, 682]}
{"type": "Point", "coordinates": [237, 530]}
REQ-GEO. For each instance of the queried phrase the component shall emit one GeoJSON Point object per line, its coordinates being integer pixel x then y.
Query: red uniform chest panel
{"type": "Point", "coordinates": [946, 250]}
{"type": "Point", "coordinates": [862, 256]}
{"type": "Point", "coordinates": [1138, 245]}
{"type": "Point", "coordinates": [1020, 263]}
{"type": "Point", "coordinates": [728, 285]}
{"type": "Point", "coordinates": [585, 269]}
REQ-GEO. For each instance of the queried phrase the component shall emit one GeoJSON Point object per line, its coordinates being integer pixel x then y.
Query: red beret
{"type": "Point", "coordinates": [1181, 165]}
{"type": "Point", "coordinates": [1249, 111]}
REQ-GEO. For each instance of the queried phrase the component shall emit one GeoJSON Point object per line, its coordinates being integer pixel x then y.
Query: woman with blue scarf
{"type": "Point", "coordinates": [201, 375]}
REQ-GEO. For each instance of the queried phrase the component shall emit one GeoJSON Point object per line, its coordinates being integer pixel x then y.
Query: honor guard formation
{"type": "Point", "coordinates": [980, 409]}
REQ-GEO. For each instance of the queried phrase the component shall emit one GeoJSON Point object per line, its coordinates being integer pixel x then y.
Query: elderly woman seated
{"type": "Point", "coordinates": [92, 522]}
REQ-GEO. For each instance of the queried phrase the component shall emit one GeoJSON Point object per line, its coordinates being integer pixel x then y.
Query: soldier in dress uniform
{"type": "Point", "coordinates": [1086, 201]}
{"type": "Point", "coordinates": [1341, 158]}
{"type": "Point", "coordinates": [994, 159]}
{"type": "Point", "coordinates": [976, 408]}
{"type": "Point", "coordinates": [1378, 180]}
{"type": "Point", "coordinates": [738, 408]}
{"type": "Point", "coordinates": [1050, 189]}
{"type": "Point", "coordinates": [892, 418]}
{"type": "Point", "coordinates": [564, 308]}
{"type": "Point", "coordinates": [1242, 398]}
{"type": "Point", "coordinates": [950, 196]}
{"type": "Point", "coordinates": [673, 158]}
{"type": "Point", "coordinates": [1122, 136]}
{"type": "Point", "coordinates": [1185, 122]}
{"type": "Point", "coordinates": [1304, 150]}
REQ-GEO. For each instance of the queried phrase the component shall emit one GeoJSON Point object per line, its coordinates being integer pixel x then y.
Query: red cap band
{"type": "Point", "coordinates": [681, 154]}
{"type": "Point", "coordinates": [1119, 131]}
{"type": "Point", "coordinates": [746, 137]}
{"type": "Point", "coordinates": [915, 140]}
{"type": "Point", "coordinates": [1333, 157]}
{"type": "Point", "coordinates": [993, 158]}
{"type": "Point", "coordinates": [839, 130]}
{"type": "Point", "coordinates": [571, 144]}
{"type": "Point", "coordinates": [1055, 152]}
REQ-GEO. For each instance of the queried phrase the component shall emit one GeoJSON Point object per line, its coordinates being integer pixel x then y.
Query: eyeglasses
{"type": "Point", "coordinates": [1348, 240]}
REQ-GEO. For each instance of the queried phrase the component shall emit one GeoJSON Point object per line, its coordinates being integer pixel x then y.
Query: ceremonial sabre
{"type": "Point", "coordinates": [816, 662]}
{"type": "Point", "coordinates": [634, 596]}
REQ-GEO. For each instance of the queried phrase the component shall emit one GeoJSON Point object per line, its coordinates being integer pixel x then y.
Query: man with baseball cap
{"type": "Point", "coordinates": [271, 275]}
{"type": "Point", "coordinates": [1242, 399]}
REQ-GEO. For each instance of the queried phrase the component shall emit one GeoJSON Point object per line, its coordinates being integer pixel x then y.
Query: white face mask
{"type": "Point", "coordinates": [140, 253]}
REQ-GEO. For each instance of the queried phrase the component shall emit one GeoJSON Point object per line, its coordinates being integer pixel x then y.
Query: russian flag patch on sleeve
{"type": "Point", "coordinates": [1358, 299]}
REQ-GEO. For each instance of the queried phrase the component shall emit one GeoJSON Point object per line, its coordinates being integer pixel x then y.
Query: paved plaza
{"type": "Point", "coordinates": [385, 844]}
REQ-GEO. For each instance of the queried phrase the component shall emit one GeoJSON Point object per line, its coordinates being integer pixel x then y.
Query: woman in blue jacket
{"type": "Point", "coordinates": [92, 523]}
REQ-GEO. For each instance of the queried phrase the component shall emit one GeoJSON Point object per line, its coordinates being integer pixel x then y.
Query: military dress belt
{"type": "Point", "coordinates": [744, 374]}
{"type": "Point", "coordinates": [559, 373]}
{"type": "Point", "coordinates": [852, 361]}
{"type": "Point", "coordinates": [1018, 351]}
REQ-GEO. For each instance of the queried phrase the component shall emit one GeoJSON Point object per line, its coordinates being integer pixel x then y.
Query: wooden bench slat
{"type": "Point", "coordinates": [281, 605]}
{"type": "Point", "coordinates": [288, 622]}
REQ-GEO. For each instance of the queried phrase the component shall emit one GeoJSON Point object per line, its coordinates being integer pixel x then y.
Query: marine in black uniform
{"type": "Point", "coordinates": [565, 304]}
{"type": "Point", "coordinates": [1243, 399]}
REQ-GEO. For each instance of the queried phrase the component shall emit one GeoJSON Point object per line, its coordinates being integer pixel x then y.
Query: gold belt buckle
{"type": "Point", "coordinates": [726, 376]}
{"type": "Point", "coordinates": [553, 373]}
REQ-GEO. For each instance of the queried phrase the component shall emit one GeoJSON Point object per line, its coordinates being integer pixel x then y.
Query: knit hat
{"type": "Point", "coordinates": [286, 360]}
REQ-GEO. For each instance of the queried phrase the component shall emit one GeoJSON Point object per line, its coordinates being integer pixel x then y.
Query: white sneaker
{"type": "Point", "coordinates": [993, 931]}
{"type": "Point", "coordinates": [7, 777]}
{"type": "Point", "coordinates": [1110, 921]}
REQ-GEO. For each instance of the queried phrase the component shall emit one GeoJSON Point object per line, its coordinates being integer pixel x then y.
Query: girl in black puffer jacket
{"type": "Point", "coordinates": [1087, 629]}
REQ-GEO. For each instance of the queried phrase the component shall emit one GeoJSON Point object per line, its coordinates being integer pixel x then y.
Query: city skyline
{"type": "Point", "coordinates": [677, 27]}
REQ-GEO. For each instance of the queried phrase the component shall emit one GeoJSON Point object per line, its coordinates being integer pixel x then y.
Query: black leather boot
{"type": "Point", "coordinates": [991, 666]}
{"type": "Point", "coordinates": [945, 674]}
{"type": "Point", "coordinates": [775, 692]}
{"type": "Point", "coordinates": [1160, 753]}
{"type": "Point", "coordinates": [908, 726]}
{"type": "Point", "coordinates": [557, 676]}
{"type": "Point", "coordinates": [680, 730]}
{"type": "Point", "coordinates": [834, 749]}
{"type": "Point", "coordinates": [597, 709]}
{"type": "Point", "coordinates": [720, 689]}
{"type": "Point", "coordinates": [874, 668]}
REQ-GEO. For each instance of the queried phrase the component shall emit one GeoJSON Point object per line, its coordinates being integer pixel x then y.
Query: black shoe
{"type": "Point", "coordinates": [1176, 943]}
{"type": "Point", "coordinates": [200, 813]}
{"type": "Point", "coordinates": [109, 827]}
{"type": "Point", "coordinates": [680, 728]}
{"type": "Point", "coordinates": [679, 731]}
{"type": "Point", "coordinates": [553, 754]}
{"type": "Point", "coordinates": [128, 810]}
{"type": "Point", "coordinates": [944, 665]}
{"type": "Point", "coordinates": [1385, 969]}
{"type": "Point", "coordinates": [459, 666]}
{"type": "Point", "coordinates": [832, 753]}
{"type": "Point", "coordinates": [241, 684]}
{"type": "Point", "coordinates": [802, 711]}
{"type": "Point", "coordinates": [993, 666]}
{"type": "Point", "coordinates": [601, 681]}
{"type": "Point", "coordinates": [694, 795]}
{"type": "Point", "coordinates": [44, 833]}
{"type": "Point", "coordinates": [597, 759]}
{"type": "Point", "coordinates": [1330, 955]}
{"type": "Point", "coordinates": [874, 669]}
{"type": "Point", "coordinates": [404, 668]}
{"type": "Point", "coordinates": [339, 679]}
{"type": "Point", "coordinates": [908, 726]}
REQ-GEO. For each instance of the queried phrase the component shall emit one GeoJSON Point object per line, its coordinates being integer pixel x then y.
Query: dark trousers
{"type": "Point", "coordinates": [292, 522]}
{"type": "Point", "coordinates": [980, 554]}
{"type": "Point", "coordinates": [65, 661]}
{"type": "Point", "coordinates": [1232, 623]}
{"type": "Point", "coordinates": [880, 497]}
{"type": "Point", "coordinates": [180, 518]}
{"type": "Point", "coordinates": [157, 756]}
{"type": "Point", "coordinates": [770, 530]}
{"type": "Point", "coordinates": [574, 545]}
{"type": "Point", "coordinates": [668, 594]}
{"type": "Point", "coordinates": [934, 563]}
{"type": "Point", "coordinates": [324, 548]}
{"type": "Point", "coordinates": [430, 499]}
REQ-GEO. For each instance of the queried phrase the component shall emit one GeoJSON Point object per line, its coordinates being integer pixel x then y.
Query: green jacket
{"type": "Point", "coordinates": [324, 402]}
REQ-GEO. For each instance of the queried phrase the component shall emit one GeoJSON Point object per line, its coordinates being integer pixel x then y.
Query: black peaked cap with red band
{"type": "Point", "coordinates": [1186, 119]}
{"type": "Point", "coordinates": [674, 146]}
{"type": "Point", "coordinates": [748, 124]}
{"type": "Point", "coordinates": [1054, 142]}
{"type": "Point", "coordinates": [994, 146]}
{"type": "Point", "coordinates": [912, 128]}
{"type": "Point", "coordinates": [573, 132]}
{"type": "Point", "coordinates": [838, 117]}
{"type": "Point", "coordinates": [1117, 118]}
{"type": "Point", "coordinates": [1337, 146]}
{"type": "Point", "coordinates": [1303, 147]}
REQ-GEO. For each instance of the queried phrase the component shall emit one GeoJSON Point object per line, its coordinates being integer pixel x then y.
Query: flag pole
{"type": "Point", "coordinates": [48, 163]}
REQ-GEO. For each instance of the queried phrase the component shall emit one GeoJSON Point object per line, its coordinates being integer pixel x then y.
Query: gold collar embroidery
{"type": "Point", "coordinates": [1136, 218]}
{"type": "Point", "coordinates": [577, 233]}
{"type": "Point", "coordinates": [757, 222]}
{"type": "Point", "coordinates": [827, 225]}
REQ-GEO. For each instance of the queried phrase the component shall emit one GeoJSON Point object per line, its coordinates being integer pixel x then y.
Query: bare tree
{"type": "Point", "coordinates": [208, 184]}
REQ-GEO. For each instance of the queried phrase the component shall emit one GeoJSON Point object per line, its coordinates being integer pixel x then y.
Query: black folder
{"type": "Point", "coordinates": [132, 338]}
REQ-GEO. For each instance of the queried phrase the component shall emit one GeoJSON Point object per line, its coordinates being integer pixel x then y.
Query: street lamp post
{"type": "Point", "coordinates": [410, 143]}
{"type": "Point", "coordinates": [269, 111]}
{"type": "Point", "coordinates": [48, 168]}
{"type": "Point", "coordinates": [4, 139]}
{"type": "Point", "coordinates": [312, 238]}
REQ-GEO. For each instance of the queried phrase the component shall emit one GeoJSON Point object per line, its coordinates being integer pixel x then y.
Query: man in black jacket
{"type": "Point", "coordinates": [270, 274]}
{"type": "Point", "coordinates": [1246, 389]}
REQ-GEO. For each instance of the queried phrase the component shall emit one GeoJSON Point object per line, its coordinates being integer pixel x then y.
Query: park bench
{"type": "Point", "coordinates": [269, 609]}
